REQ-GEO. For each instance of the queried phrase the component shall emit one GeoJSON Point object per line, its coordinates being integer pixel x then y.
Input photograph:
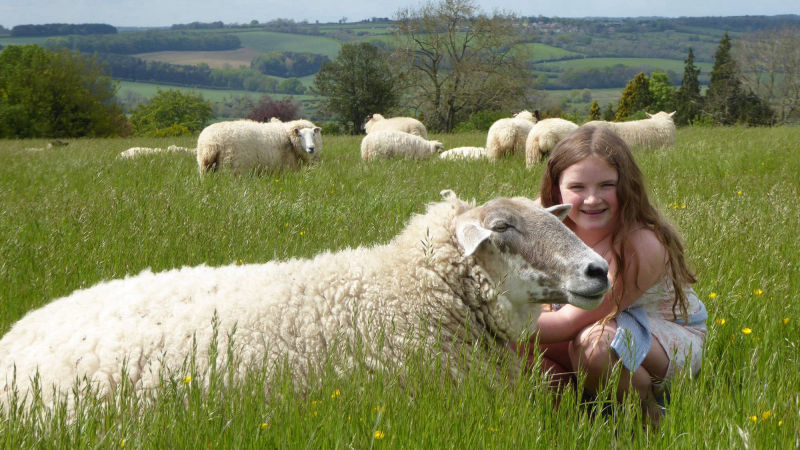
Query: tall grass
{"type": "Point", "coordinates": [72, 216]}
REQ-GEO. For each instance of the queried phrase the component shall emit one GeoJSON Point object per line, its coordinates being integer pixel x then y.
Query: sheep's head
{"type": "Point", "coordinates": [438, 147]}
{"type": "Point", "coordinates": [532, 258]}
{"type": "Point", "coordinates": [310, 140]}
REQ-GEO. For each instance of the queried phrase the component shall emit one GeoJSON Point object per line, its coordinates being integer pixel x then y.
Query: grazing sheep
{"type": "Point", "coordinates": [134, 152]}
{"type": "Point", "coordinates": [508, 135]}
{"type": "Point", "coordinates": [376, 122]}
{"type": "Point", "coordinates": [544, 136]}
{"type": "Point", "coordinates": [244, 145]}
{"type": "Point", "coordinates": [458, 277]}
{"type": "Point", "coordinates": [658, 130]}
{"type": "Point", "coordinates": [464, 153]}
{"type": "Point", "coordinates": [390, 144]}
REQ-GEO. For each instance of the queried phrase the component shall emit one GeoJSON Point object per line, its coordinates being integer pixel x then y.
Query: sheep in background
{"type": "Point", "coordinates": [245, 146]}
{"type": "Point", "coordinates": [464, 153]}
{"type": "Point", "coordinates": [658, 130]}
{"type": "Point", "coordinates": [508, 135]}
{"type": "Point", "coordinates": [376, 122]}
{"type": "Point", "coordinates": [544, 136]}
{"type": "Point", "coordinates": [457, 278]}
{"type": "Point", "coordinates": [397, 144]}
{"type": "Point", "coordinates": [134, 152]}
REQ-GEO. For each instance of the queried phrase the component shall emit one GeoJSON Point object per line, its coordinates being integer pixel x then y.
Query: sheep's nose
{"type": "Point", "coordinates": [310, 149]}
{"type": "Point", "coordinates": [596, 271]}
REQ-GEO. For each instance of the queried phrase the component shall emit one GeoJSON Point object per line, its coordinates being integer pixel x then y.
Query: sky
{"type": "Point", "coordinates": [154, 13]}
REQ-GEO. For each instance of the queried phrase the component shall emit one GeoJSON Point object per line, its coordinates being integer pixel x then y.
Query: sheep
{"type": "Point", "coordinates": [544, 136]}
{"type": "Point", "coordinates": [508, 135]}
{"type": "Point", "coordinates": [458, 276]}
{"type": "Point", "coordinates": [134, 152]}
{"type": "Point", "coordinates": [464, 153]}
{"type": "Point", "coordinates": [388, 144]}
{"type": "Point", "coordinates": [658, 130]}
{"type": "Point", "coordinates": [244, 146]}
{"type": "Point", "coordinates": [376, 122]}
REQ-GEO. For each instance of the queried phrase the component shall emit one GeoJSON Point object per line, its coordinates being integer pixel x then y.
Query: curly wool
{"type": "Point", "coordinates": [508, 135]}
{"type": "Point", "coordinates": [544, 136]}
{"type": "Point", "coordinates": [410, 125]}
{"type": "Point", "coordinates": [658, 130]}
{"type": "Point", "coordinates": [397, 144]}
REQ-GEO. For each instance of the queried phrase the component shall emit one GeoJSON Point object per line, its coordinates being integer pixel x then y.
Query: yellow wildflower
{"type": "Point", "coordinates": [187, 379]}
{"type": "Point", "coordinates": [336, 393]}
{"type": "Point", "coordinates": [758, 292]}
{"type": "Point", "coordinates": [746, 331]}
{"type": "Point", "coordinates": [780, 423]}
{"type": "Point", "coordinates": [720, 321]}
{"type": "Point", "coordinates": [265, 425]}
{"type": "Point", "coordinates": [739, 192]}
{"type": "Point", "coordinates": [785, 320]}
{"type": "Point", "coordinates": [122, 443]}
{"type": "Point", "coordinates": [380, 409]}
{"type": "Point", "coordinates": [712, 295]}
{"type": "Point", "coordinates": [754, 418]}
{"type": "Point", "coordinates": [379, 434]}
{"type": "Point", "coordinates": [766, 415]}
{"type": "Point", "coordinates": [492, 429]}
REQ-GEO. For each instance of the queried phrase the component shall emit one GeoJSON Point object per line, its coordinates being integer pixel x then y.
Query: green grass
{"type": "Point", "coordinates": [214, 95]}
{"type": "Point", "coordinates": [543, 51]}
{"type": "Point", "coordinates": [659, 63]}
{"type": "Point", "coordinates": [72, 216]}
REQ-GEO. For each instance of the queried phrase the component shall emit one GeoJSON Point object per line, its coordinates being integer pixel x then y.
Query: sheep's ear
{"type": "Point", "coordinates": [317, 129]}
{"type": "Point", "coordinates": [672, 113]}
{"type": "Point", "coordinates": [560, 211]}
{"type": "Point", "coordinates": [649, 115]}
{"type": "Point", "coordinates": [471, 234]}
{"type": "Point", "coordinates": [448, 194]}
{"type": "Point", "coordinates": [536, 114]}
{"type": "Point", "coordinates": [296, 131]}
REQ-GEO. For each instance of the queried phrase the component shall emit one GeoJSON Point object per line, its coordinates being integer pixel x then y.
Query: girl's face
{"type": "Point", "coordinates": [590, 186]}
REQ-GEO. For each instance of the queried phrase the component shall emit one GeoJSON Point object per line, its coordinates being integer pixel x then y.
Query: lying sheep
{"type": "Point", "coordinates": [245, 146]}
{"type": "Point", "coordinates": [658, 130]}
{"type": "Point", "coordinates": [134, 152]}
{"type": "Point", "coordinates": [544, 136]}
{"type": "Point", "coordinates": [376, 122]}
{"type": "Point", "coordinates": [464, 153]}
{"type": "Point", "coordinates": [508, 135]}
{"type": "Point", "coordinates": [457, 277]}
{"type": "Point", "coordinates": [390, 144]}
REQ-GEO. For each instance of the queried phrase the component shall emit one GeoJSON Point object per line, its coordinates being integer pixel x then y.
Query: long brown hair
{"type": "Point", "coordinates": [635, 209]}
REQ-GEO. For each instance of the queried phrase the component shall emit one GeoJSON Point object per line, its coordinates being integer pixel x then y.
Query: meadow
{"type": "Point", "coordinates": [76, 215]}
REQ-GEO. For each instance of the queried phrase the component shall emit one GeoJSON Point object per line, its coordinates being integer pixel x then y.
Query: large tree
{"type": "Point", "coordinates": [635, 97]}
{"type": "Point", "coordinates": [357, 83]}
{"type": "Point", "coordinates": [56, 94]}
{"type": "Point", "coordinates": [770, 67]}
{"type": "Point", "coordinates": [172, 113]}
{"type": "Point", "coordinates": [688, 101]}
{"type": "Point", "coordinates": [459, 61]}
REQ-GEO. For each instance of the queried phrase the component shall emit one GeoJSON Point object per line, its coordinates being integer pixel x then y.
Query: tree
{"type": "Point", "coordinates": [357, 83]}
{"type": "Point", "coordinates": [688, 101]}
{"type": "Point", "coordinates": [172, 113]}
{"type": "Point", "coordinates": [458, 61]}
{"type": "Point", "coordinates": [662, 93]}
{"type": "Point", "coordinates": [727, 101]}
{"type": "Point", "coordinates": [770, 68]}
{"type": "Point", "coordinates": [268, 108]}
{"type": "Point", "coordinates": [635, 97]}
{"type": "Point", "coordinates": [56, 94]}
{"type": "Point", "coordinates": [594, 111]}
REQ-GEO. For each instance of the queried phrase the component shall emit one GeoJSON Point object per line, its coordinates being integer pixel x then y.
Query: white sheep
{"type": "Point", "coordinates": [457, 277]}
{"type": "Point", "coordinates": [464, 153]}
{"type": "Point", "coordinates": [410, 125]}
{"type": "Point", "coordinates": [658, 130]}
{"type": "Point", "coordinates": [544, 136]}
{"type": "Point", "coordinates": [389, 144]}
{"type": "Point", "coordinates": [246, 146]}
{"type": "Point", "coordinates": [508, 135]}
{"type": "Point", "coordinates": [134, 152]}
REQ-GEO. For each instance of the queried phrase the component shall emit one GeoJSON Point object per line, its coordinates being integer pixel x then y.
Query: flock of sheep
{"type": "Point", "coordinates": [458, 277]}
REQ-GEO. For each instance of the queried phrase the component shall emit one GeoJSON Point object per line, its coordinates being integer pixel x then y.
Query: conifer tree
{"type": "Point", "coordinates": [594, 111]}
{"type": "Point", "coordinates": [725, 89]}
{"type": "Point", "coordinates": [635, 97]}
{"type": "Point", "coordinates": [689, 102]}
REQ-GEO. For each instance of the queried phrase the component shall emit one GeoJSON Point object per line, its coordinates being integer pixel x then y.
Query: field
{"type": "Point", "coordinates": [596, 63]}
{"type": "Point", "coordinates": [76, 215]}
{"type": "Point", "coordinates": [216, 59]}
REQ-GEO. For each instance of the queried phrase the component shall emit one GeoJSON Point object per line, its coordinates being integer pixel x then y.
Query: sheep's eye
{"type": "Point", "coordinates": [500, 227]}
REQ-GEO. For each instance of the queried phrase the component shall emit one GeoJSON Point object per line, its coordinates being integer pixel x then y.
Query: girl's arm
{"type": "Point", "coordinates": [645, 266]}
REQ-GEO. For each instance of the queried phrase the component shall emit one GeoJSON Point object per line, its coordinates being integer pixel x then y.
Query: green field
{"type": "Point", "coordinates": [543, 51]}
{"type": "Point", "coordinates": [76, 215]}
{"type": "Point", "coordinates": [596, 63]}
{"type": "Point", "coordinates": [266, 41]}
{"type": "Point", "coordinates": [214, 95]}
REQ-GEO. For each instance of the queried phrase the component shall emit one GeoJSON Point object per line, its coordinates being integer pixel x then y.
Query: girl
{"type": "Point", "coordinates": [650, 320]}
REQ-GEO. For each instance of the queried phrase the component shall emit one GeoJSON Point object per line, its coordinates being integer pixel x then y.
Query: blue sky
{"type": "Point", "coordinates": [168, 12]}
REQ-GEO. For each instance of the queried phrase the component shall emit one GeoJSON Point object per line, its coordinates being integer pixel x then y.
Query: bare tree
{"type": "Point", "coordinates": [458, 61]}
{"type": "Point", "coordinates": [770, 67]}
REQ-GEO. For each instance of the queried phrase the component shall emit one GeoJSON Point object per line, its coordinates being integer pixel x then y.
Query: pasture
{"type": "Point", "coordinates": [72, 216]}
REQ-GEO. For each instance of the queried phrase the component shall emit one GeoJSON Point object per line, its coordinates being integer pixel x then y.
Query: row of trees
{"type": "Point", "coordinates": [727, 100]}
{"type": "Point", "coordinates": [288, 64]}
{"type": "Point", "coordinates": [61, 29]}
{"type": "Point", "coordinates": [146, 41]}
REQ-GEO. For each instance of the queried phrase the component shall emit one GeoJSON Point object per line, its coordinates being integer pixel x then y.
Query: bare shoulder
{"type": "Point", "coordinates": [649, 252]}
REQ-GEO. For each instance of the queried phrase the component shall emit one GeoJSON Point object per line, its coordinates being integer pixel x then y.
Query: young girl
{"type": "Point", "coordinates": [650, 320]}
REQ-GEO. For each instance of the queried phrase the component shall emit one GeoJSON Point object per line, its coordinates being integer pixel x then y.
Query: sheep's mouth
{"type": "Point", "coordinates": [585, 301]}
